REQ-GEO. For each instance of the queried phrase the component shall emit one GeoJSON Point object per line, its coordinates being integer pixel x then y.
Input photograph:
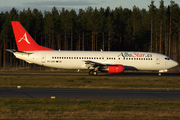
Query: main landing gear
{"type": "Point", "coordinates": [92, 72]}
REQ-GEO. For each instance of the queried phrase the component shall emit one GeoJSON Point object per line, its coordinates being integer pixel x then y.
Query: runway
{"type": "Point", "coordinates": [126, 74]}
{"type": "Point", "coordinates": [89, 94]}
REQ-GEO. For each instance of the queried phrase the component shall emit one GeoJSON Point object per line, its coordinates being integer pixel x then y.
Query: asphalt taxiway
{"type": "Point", "coordinates": [89, 94]}
{"type": "Point", "coordinates": [126, 74]}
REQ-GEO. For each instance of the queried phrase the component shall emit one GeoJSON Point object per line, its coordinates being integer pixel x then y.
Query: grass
{"type": "Point", "coordinates": [83, 109]}
{"type": "Point", "coordinates": [13, 108]}
{"type": "Point", "coordinates": [94, 82]}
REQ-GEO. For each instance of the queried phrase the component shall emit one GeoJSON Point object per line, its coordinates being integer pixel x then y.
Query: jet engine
{"type": "Point", "coordinates": [113, 69]}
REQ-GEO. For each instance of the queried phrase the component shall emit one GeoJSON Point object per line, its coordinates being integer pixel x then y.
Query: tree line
{"type": "Point", "coordinates": [121, 29]}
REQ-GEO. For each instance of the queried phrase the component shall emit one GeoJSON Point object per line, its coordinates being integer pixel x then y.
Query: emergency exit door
{"type": "Point", "coordinates": [43, 58]}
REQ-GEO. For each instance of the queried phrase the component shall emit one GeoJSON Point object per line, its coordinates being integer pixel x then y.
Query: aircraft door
{"type": "Point", "coordinates": [166, 64]}
{"type": "Point", "coordinates": [157, 59]}
{"type": "Point", "coordinates": [43, 58]}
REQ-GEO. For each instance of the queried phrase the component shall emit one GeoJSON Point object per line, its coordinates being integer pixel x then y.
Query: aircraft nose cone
{"type": "Point", "coordinates": [175, 63]}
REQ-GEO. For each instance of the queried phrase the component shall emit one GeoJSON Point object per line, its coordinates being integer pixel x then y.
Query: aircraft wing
{"type": "Point", "coordinates": [93, 64]}
{"type": "Point", "coordinates": [103, 67]}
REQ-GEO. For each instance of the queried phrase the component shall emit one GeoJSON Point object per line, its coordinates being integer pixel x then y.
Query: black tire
{"type": "Point", "coordinates": [91, 72]}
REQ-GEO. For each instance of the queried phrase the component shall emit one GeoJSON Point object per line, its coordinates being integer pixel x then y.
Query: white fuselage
{"type": "Point", "coordinates": [76, 59]}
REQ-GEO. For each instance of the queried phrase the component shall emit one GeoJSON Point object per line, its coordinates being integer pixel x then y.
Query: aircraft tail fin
{"type": "Point", "coordinates": [24, 41]}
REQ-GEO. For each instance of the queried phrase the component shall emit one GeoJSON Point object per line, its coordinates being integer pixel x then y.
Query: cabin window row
{"type": "Point", "coordinates": [78, 58]}
{"type": "Point", "coordinates": [108, 58]}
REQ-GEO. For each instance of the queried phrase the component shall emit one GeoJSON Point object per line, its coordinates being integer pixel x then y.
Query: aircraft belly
{"type": "Point", "coordinates": [73, 64]}
{"type": "Point", "coordinates": [141, 65]}
{"type": "Point", "coordinates": [67, 64]}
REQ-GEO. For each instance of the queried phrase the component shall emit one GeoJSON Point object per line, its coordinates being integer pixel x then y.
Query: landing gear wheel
{"type": "Point", "coordinates": [91, 72]}
{"type": "Point", "coordinates": [95, 73]}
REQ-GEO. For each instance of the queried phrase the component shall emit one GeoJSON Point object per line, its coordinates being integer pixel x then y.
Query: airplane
{"type": "Point", "coordinates": [94, 61]}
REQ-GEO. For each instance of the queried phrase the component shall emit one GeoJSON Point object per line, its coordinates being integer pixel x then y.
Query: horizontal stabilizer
{"type": "Point", "coordinates": [18, 52]}
{"type": "Point", "coordinates": [9, 50]}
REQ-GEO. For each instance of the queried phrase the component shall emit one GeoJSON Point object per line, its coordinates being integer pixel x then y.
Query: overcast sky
{"type": "Point", "coordinates": [7, 5]}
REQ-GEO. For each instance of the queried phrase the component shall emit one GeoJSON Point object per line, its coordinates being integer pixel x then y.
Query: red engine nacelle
{"type": "Point", "coordinates": [114, 69]}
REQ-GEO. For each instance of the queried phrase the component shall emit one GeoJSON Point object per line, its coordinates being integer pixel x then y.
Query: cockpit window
{"type": "Point", "coordinates": [167, 58]}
